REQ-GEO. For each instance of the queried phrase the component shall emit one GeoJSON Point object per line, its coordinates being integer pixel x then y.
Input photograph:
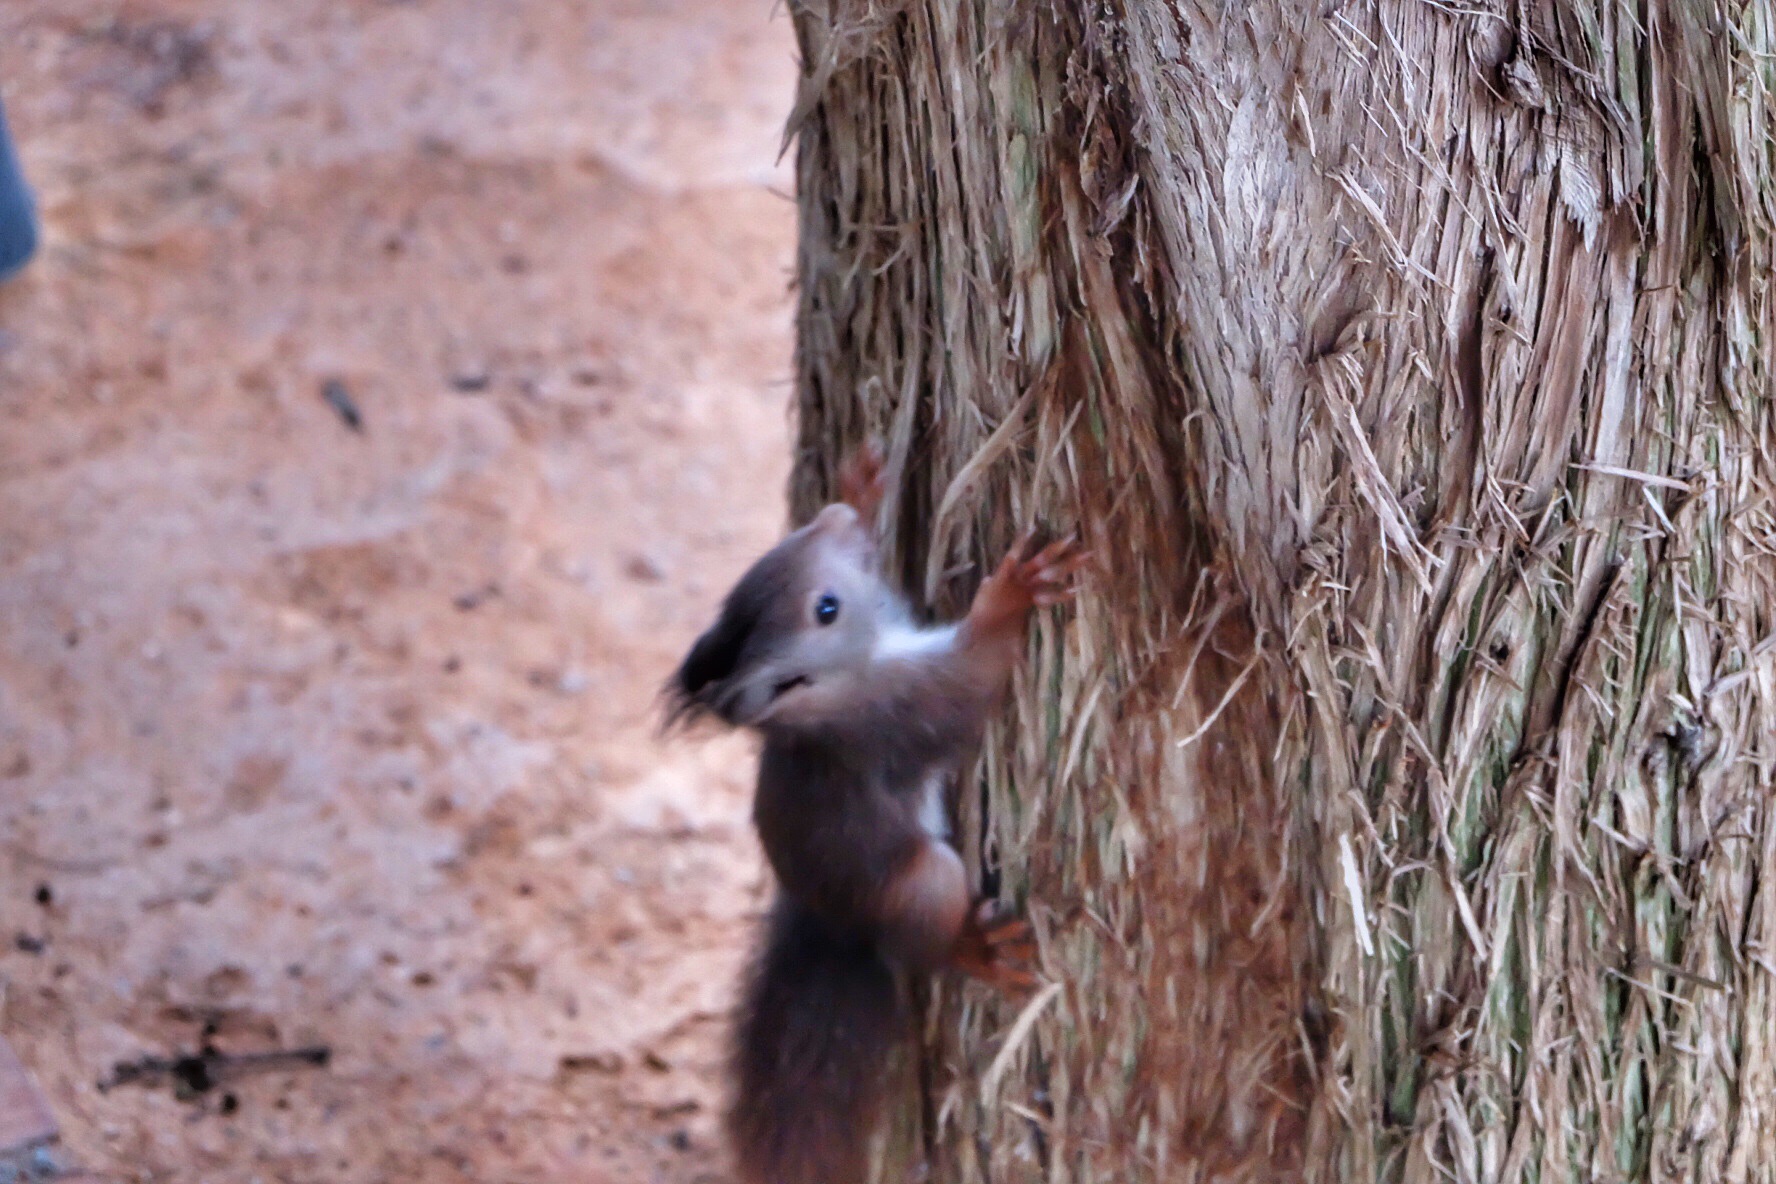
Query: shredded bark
{"type": "Point", "coordinates": [1395, 805]}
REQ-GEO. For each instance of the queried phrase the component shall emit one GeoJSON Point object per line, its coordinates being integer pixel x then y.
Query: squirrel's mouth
{"type": "Point", "coordinates": [789, 684]}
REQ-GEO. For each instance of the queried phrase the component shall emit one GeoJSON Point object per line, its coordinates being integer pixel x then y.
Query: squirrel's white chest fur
{"type": "Point", "coordinates": [905, 640]}
{"type": "Point", "coordinates": [934, 819]}
{"type": "Point", "coordinates": [900, 640]}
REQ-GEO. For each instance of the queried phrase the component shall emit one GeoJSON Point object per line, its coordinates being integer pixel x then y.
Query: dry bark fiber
{"type": "Point", "coordinates": [1395, 805]}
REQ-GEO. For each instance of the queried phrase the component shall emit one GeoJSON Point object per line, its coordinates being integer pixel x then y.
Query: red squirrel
{"type": "Point", "coordinates": [866, 717]}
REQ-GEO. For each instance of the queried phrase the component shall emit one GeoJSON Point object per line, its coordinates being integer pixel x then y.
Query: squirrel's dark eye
{"type": "Point", "coordinates": [826, 609]}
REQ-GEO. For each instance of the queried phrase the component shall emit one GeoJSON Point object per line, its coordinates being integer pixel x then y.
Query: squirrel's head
{"type": "Point", "coordinates": [794, 635]}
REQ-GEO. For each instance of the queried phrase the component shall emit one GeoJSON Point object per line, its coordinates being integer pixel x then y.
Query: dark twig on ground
{"type": "Point", "coordinates": [196, 1073]}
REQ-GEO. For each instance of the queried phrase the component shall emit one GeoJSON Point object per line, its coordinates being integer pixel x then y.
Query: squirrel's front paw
{"type": "Point", "coordinates": [998, 948]}
{"type": "Point", "coordinates": [1046, 575]}
{"type": "Point", "coordinates": [1029, 577]}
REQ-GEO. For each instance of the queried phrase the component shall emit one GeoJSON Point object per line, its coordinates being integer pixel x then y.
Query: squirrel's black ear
{"type": "Point", "coordinates": [712, 659]}
{"type": "Point", "coordinates": [711, 662]}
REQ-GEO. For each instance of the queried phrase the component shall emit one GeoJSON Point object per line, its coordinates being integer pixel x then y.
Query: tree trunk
{"type": "Point", "coordinates": [1395, 803]}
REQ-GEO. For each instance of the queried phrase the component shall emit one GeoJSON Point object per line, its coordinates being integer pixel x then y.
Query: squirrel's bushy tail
{"type": "Point", "coordinates": [819, 1019]}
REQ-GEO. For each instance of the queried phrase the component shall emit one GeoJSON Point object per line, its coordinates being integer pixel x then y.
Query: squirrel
{"type": "Point", "coordinates": [866, 717]}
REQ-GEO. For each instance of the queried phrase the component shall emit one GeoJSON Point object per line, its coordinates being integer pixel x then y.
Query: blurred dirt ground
{"type": "Point", "coordinates": [322, 734]}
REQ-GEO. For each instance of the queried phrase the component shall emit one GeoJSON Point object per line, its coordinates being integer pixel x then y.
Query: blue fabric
{"type": "Point", "coordinates": [18, 214]}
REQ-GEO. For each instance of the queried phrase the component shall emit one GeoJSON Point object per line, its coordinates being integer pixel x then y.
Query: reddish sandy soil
{"type": "Point", "coordinates": [318, 735]}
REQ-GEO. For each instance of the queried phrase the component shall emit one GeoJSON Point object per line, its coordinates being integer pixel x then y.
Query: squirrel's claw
{"type": "Point", "coordinates": [999, 949]}
{"type": "Point", "coordinates": [1046, 575]}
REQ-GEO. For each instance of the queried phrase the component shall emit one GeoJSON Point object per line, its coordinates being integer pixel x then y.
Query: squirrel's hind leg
{"type": "Point", "coordinates": [931, 921]}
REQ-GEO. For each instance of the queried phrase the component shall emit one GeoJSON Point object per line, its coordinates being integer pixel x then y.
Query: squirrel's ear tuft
{"type": "Point", "coordinates": [710, 663]}
{"type": "Point", "coordinates": [761, 605]}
